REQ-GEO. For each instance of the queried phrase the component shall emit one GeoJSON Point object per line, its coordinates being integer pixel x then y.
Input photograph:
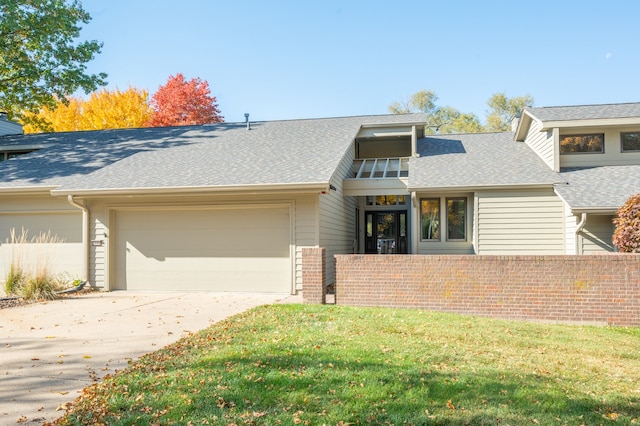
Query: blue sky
{"type": "Point", "coordinates": [308, 59]}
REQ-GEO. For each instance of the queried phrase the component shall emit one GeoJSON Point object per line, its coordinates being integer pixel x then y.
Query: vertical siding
{"type": "Point", "coordinates": [540, 142]}
{"type": "Point", "coordinates": [596, 235]}
{"type": "Point", "coordinates": [337, 218]}
{"type": "Point", "coordinates": [520, 222]}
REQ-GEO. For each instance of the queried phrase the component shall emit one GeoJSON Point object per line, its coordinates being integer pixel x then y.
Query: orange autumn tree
{"type": "Point", "coordinates": [103, 110]}
{"type": "Point", "coordinates": [180, 103]}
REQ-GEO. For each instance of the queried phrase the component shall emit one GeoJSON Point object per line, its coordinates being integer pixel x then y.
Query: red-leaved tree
{"type": "Point", "coordinates": [182, 103]}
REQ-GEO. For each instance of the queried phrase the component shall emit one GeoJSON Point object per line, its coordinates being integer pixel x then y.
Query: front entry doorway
{"type": "Point", "coordinates": [386, 232]}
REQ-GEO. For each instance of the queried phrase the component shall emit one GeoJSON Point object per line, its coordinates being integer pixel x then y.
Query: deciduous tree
{"type": "Point", "coordinates": [626, 236]}
{"type": "Point", "coordinates": [445, 119]}
{"type": "Point", "coordinates": [41, 60]}
{"type": "Point", "coordinates": [103, 110]}
{"type": "Point", "coordinates": [503, 110]}
{"type": "Point", "coordinates": [180, 103]}
{"type": "Point", "coordinates": [440, 120]}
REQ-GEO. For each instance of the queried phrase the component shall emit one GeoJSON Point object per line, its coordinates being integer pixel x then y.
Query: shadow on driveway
{"type": "Point", "coordinates": [50, 351]}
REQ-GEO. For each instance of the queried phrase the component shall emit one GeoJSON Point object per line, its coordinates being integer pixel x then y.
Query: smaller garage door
{"type": "Point", "coordinates": [217, 249]}
{"type": "Point", "coordinates": [61, 257]}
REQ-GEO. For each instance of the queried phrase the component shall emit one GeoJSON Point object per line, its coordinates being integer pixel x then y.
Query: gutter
{"type": "Point", "coordinates": [256, 188]}
{"type": "Point", "coordinates": [581, 224]}
{"type": "Point", "coordinates": [85, 237]}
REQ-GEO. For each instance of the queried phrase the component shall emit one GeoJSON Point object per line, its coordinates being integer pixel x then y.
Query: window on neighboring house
{"type": "Point", "coordinates": [456, 219]}
{"type": "Point", "coordinates": [630, 141]}
{"type": "Point", "coordinates": [430, 219]}
{"type": "Point", "coordinates": [576, 144]}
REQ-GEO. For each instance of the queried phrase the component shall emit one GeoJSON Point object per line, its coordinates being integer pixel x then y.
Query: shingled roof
{"type": "Point", "coordinates": [475, 161]}
{"type": "Point", "coordinates": [208, 156]}
{"type": "Point", "coordinates": [603, 188]}
{"type": "Point", "coordinates": [586, 112]}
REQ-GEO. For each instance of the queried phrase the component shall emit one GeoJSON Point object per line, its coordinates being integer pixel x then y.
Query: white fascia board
{"type": "Point", "coordinates": [27, 190]}
{"type": "Point", "coordinates": [523, 126]}
{"type": "Point", "coordinates": [240, 189]}
{"type": "Point", "coordinates": [596, 122]}
{"type": "Point", "coordinates": [472, 188]}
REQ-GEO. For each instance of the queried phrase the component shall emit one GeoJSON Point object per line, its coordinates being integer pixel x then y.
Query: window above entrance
{"type": "Point", "coordinates": [386, 200]}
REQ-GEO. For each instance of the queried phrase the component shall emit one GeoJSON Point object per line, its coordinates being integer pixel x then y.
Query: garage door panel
{"type": "Point", "coordinates": [218, 249]}
{"type": "Point", "coordinates": [64, 256]}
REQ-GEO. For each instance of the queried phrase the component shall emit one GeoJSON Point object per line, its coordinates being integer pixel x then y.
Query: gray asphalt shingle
{"type": "Point", "coordinates": [476, 160]}
{"type": "Point", "coordinates": [586, 112]}
{"type": "Point", "coordinates": [226, 154]}
{"type": "Point", "coordinates": [604, 187]}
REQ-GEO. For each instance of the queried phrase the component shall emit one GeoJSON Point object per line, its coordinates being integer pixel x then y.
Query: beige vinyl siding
{"type": "Point", "coordinates": [337, 218]}
{"type": "Point", "coordinates": [42, 215]}
{"type": "Point", "coordinates": [612, 156]}
{"type": "Point", "coordinates": [540, 142]}
{"type": "Point", "coordinates": [596, 235]}
{"type": "Point", "coordinates": [570, 225]}
{"type": "Point", "coordinates": [306, 231]}
{"type": "Point", "coordinates": [520, 222]}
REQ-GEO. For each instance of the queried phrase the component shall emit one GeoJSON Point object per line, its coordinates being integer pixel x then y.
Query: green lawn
{"type": "Point", "coordinates": [314, 364]}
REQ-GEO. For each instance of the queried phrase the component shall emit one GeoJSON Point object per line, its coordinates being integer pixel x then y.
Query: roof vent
{"type": "Point", "coordinates": [246, 120]}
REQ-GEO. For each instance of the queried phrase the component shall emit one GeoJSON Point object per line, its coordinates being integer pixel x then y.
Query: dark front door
{"type": "Point", "coordinates": [386, 232]}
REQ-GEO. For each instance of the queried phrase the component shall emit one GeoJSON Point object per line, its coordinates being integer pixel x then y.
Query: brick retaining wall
{"type": "Point", "coordinates": [601, 289]}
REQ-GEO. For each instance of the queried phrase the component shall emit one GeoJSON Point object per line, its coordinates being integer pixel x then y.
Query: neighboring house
{"type": "Point", "coordinates": [229, 207]}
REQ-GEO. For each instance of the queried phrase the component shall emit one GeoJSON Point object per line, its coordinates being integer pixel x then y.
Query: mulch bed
{"type": "Point", "coordinates": [11, 303]}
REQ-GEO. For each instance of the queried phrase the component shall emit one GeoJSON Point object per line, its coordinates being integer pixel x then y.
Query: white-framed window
{"type": "Point", "coordinates": [630, 142]}
{"type": "Point", "coordinates": [582, 144]}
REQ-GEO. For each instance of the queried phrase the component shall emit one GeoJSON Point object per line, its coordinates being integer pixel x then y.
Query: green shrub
{"type": "Point", "coordinates": [627, 234]}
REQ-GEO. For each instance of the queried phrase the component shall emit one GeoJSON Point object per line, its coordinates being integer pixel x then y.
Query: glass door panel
{"type": "Point", "coordinates": [386, 232]}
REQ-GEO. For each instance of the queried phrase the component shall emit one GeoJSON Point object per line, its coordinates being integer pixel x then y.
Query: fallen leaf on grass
{"type": "Point", "coordinates": [450, 405]}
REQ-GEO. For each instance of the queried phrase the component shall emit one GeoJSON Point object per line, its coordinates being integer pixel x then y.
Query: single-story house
{"type": "Point", "coordinates": [230, 206]}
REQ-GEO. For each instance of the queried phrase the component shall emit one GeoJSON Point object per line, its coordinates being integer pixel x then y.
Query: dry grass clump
{"type": "Point", "coordinates": [30, 275]}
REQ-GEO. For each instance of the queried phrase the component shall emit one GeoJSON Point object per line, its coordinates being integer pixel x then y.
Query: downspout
{"type": "Point", "coordinates": [85, 236]}
{"type": "Point", "coordinates": [583, 221]}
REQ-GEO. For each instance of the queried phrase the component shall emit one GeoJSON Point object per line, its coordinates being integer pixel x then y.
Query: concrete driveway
{"type": "Point", "coordinates": [50, 351]}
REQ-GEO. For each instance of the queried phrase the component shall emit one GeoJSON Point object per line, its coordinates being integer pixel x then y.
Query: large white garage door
{"type": "Point", "coordinates": [61, 252]}
{"type": "Point", "coordinates": [222, 249]}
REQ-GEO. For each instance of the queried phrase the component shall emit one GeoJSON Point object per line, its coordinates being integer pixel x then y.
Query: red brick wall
{"type": "Point", "coordinates": [313, 273]}
{"type": "Point", "coordinates": [603, 289]}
